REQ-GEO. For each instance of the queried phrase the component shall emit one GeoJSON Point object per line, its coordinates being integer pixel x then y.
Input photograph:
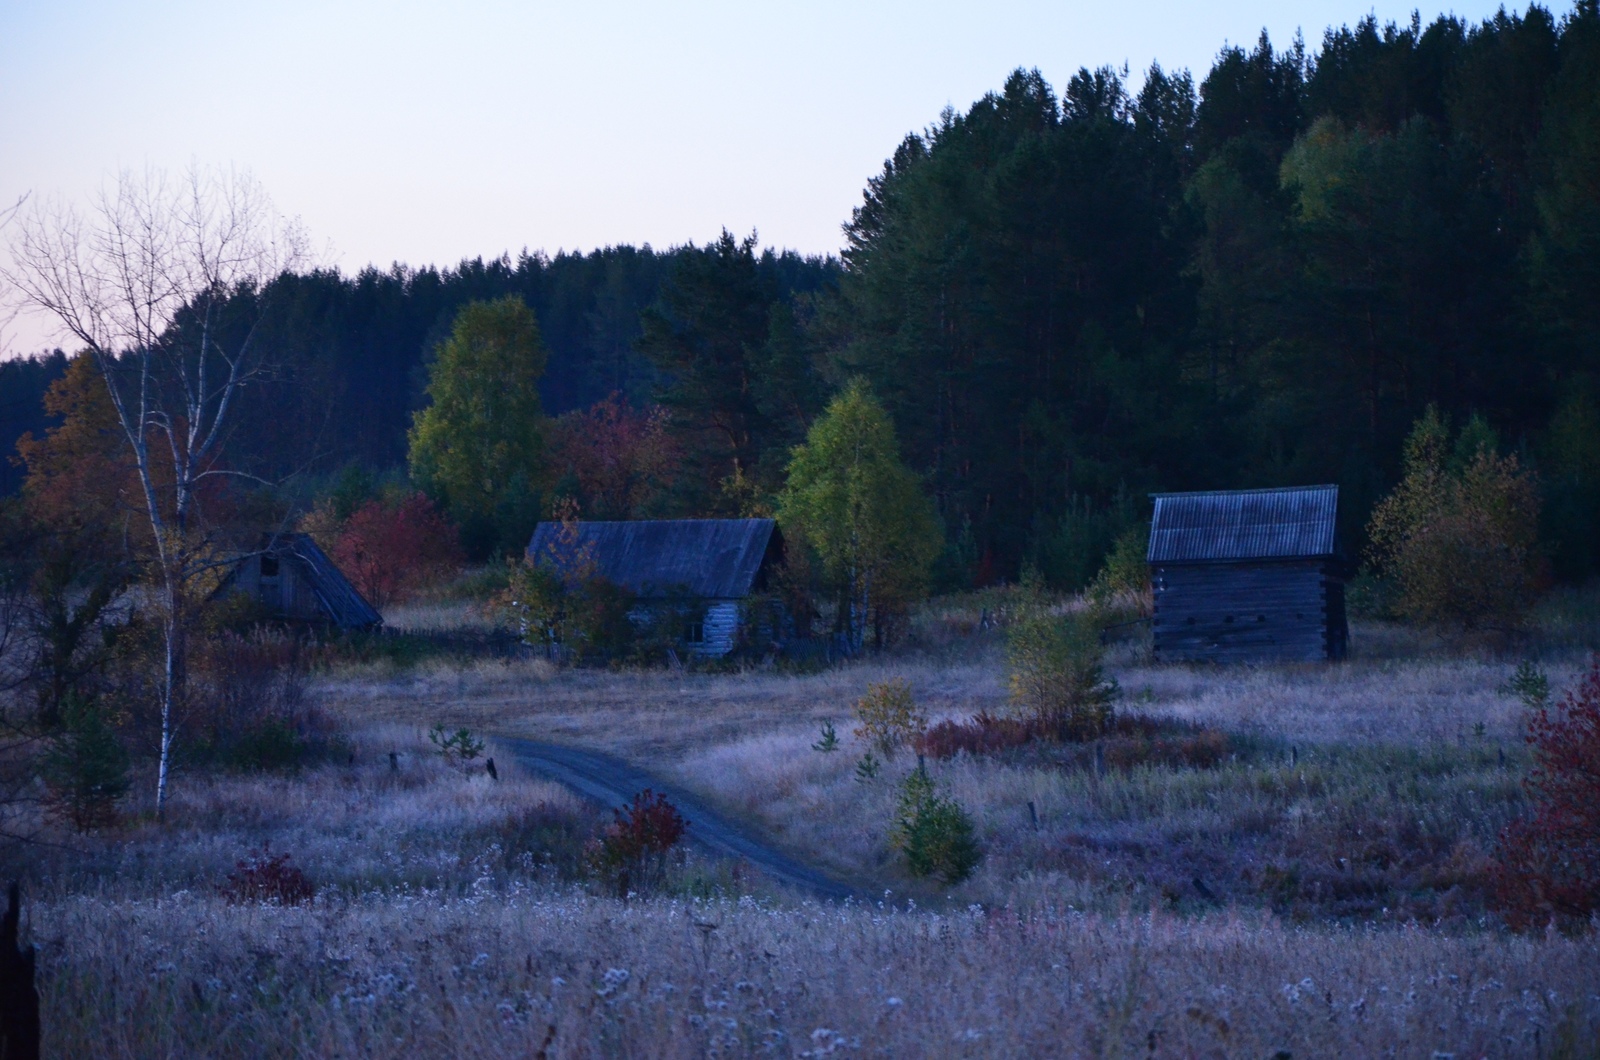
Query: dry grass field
{"type": "Point", "coordinates": [1319, 889]}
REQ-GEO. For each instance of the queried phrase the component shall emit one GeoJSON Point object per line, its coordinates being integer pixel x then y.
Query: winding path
{"type": "Point", "coordinates": [613, 783]}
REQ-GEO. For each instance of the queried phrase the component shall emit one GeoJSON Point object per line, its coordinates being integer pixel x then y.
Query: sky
{"type": "Point", "coordinates": [429, 133]}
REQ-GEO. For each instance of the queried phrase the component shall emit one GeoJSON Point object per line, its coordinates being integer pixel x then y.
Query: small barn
{"type": "Point", "coordinates": [295, 581]}
{"type": "Point", "coordinates": [1247, 575]}
{"type": "Point", "coordinates": [705, 569]}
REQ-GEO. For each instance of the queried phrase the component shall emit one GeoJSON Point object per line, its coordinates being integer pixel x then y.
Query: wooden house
{"type": "Point", "coordinates": [1247, 575]}
{"type": "Point", "coordinates": [295, 581]}
{"type": "Point", "coordinates": [700, 572]}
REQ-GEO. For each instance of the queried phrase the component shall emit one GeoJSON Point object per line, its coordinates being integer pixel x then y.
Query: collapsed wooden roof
{"type": "Point", "coordinates": [713, 559]}
{"type": "Point", "coordinates": [340, 602]}
{"type": "Point", "coordinates": [1231, 525]}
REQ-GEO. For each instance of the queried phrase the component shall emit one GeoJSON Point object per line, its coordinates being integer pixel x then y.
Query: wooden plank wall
{"type": "Point", "coordinates": [1238, 612]}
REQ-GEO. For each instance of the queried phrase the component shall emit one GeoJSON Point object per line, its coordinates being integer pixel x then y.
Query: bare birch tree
{"type": "Point", "coordinates": [141, 280]}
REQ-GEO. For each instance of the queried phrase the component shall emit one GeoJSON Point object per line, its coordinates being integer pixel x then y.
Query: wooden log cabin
{"type": "Point", "coordinates": [699, 573]}
{"type": "Point", "coordinates": [1247, 576]}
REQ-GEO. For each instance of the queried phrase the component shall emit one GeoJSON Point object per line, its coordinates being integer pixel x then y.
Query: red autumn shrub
{"type": "Point", "coordinates": [1548, 864]}
{"type": "Point", "coordinates": [1131, 740]}
{"type": "Point", "coordinates": [632, 852]}
{"type": "Point", "coordinates": [264, 878]}
{"type": "Point", "coordinates": [391, 550]}
{"type": "Point", "coordinates": [983, 734]}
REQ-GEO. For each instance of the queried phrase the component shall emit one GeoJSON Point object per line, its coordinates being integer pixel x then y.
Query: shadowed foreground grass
{"type": "Point", "coordinates": [491, 975]}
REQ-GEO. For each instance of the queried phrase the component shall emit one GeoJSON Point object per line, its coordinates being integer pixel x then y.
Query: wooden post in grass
{"type": "Point", "coordinates": [19, 999]}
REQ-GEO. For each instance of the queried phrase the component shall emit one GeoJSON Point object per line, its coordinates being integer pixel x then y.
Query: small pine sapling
{"type": "Point", "coordinates": [868, 768]}
{"type": "Point", "coordinates": [1529, 684]}
{"type": "Point", "coordinates": [830, 739]}
{"type": "Point", "coordinates": [459, 747]}
{"type": "Point", "coordinates": [934, 832]}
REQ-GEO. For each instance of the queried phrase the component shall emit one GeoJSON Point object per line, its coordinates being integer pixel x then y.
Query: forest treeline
{"type": "Point", "coordinates": [1067, 300]}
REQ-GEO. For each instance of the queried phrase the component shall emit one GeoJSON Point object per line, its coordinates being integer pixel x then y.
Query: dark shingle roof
{"type": "Point", "coordinates": [700, 558]}
{"type": "Point", "coordinates": [1293, 523]}
{"type": "Point", "coordinates": [344, 605]}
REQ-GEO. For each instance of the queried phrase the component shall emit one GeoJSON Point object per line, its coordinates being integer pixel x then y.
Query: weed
{"type": "Point", "coordinates": [264, 878]}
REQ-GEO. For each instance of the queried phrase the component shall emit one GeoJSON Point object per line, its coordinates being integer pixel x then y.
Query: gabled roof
{"type": "Point", "coordinates": [1293, 523]}
{"type": "Point", "coordinates": [697, 558]}
{"type": "Point", "coordinates": [346, 607]}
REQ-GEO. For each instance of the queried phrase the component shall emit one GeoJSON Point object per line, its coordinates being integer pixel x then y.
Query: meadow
{"type": "Point", "coordinates": [1319, 885]}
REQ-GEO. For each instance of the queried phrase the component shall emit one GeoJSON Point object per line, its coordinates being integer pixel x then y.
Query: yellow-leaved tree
{"type": "Point", "coordinates": [1458, 534]}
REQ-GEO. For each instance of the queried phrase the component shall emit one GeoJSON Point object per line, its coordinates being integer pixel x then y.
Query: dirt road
{"type": "Point", "coordinates": [613, 783]}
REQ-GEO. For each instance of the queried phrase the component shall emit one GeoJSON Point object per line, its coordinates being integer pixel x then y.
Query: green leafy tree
{"type": "Point", "coordinates": [481, 438]}
{"type": "Point", "coordinates": [851, 500]}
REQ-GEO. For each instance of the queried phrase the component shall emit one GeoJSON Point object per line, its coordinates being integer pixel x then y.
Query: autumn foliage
{"type": "Point", "coordinates": [617, 459]}
{"type": "Point", "coordinates": [632, 852]}
{"type": "Point", "coordinates": [392, 549]}
{"type": "Point", "coordinates": [1548, 867]}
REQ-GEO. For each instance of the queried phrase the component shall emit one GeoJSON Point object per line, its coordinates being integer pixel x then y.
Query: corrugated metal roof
{"type": "Point", "coordinates": [700, 558]}
{"type": "Point", "coordinates": [1293, 523]}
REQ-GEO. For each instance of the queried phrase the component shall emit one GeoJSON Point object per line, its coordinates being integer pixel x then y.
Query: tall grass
{"type": "Point", "coordinates": [502, 974]}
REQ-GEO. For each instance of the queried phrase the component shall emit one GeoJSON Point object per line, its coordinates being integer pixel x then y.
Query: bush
{"type": "Point", "coordinates": [1548, 864]}
{"type": "Point", "coordinates": [1125, 574]}
{"type": "Point", "coordinates": [1128, 742]}
{"type": "Point", "coordinates": [983, 734]}
{"type": "Point", "coordinates": [889, 716]}
{"type": "Point", "coordinates": [86, 767]}
{"type": "Point", "coordinates": [1057, 674]}
{"type": "Point", "coordinates": [934, 832]}
{"type": "Point", "coordinates": [254, 709]}
{"type": "Point", "coordinates": [264, 878]}
{"type": "Point", "coordinates": [631, 855]}
{"type": "Point", "coordinates": [392, 550]}
{"type": "Point", "coordinates": [1457, 535]}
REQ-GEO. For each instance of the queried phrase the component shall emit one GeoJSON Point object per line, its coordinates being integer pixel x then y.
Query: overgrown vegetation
{"type": "Point", "coordinates": [1548, 863]}
{"type": "Point", "coordinates": [631, 854]}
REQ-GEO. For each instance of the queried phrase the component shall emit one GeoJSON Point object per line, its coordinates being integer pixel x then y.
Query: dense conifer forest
{"type": "Point", "coordinates": [1069, 297]}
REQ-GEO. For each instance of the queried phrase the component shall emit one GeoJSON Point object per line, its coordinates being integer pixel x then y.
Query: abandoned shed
{"type": "Point", "coordinates": [295, 581]}
{"type": "Point", "coordinates": [1244, 575]}
{"type": "Point", "coordinates": [703, 569]}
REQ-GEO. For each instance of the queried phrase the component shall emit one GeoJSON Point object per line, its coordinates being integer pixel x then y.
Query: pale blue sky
{"type": "Point", "coordinates": [431, 132]}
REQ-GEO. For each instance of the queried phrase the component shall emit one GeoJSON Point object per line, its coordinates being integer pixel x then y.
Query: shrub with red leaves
{"type": "Point", "coordinates": [1130, 740]}
{"type": "Point", "coordinates": [631, 854]}
{"type": "Point", "coordinates": [264, 878]}
{"type": "Point", "coordinates": [391, 550]}
{"type": "Point", "coordinates": [983, 734]}
{"type": "Point", "coordinates": [1548, 864]}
